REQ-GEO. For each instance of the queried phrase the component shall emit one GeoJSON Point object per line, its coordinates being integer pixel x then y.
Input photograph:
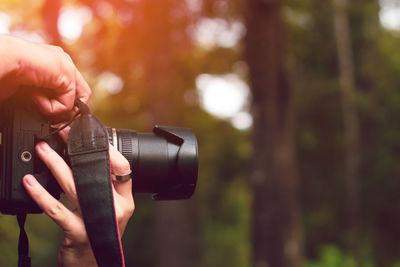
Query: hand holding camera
{"type": "Point", "coordinates": [164, 163]}
{"type": "Point", "coordinates": [75, 248]}
{"type": "Point", "coordinates": [46, 68]}
{"type": "Point", "coordinates": [36, 65]}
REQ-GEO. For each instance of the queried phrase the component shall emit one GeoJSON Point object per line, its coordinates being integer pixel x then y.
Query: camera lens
{"type": "Point", "coordinates": [164, 162]}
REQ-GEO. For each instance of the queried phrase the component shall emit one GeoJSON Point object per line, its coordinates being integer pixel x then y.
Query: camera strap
{"type": "Point", "coordinates": [23, 245]}
{"type": "Point", "coordinates": [90, 162]}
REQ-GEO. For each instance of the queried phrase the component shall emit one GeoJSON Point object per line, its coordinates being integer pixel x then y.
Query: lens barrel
{"type": "Point", "coordinates": [164, 162]}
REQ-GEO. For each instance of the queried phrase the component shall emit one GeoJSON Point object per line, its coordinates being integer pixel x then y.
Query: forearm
{"type": "Point", "coordinates": [11, 49]}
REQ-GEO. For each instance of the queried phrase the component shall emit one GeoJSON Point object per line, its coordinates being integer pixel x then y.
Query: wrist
{"type": "Point", "coordinates": [11, 49]}
{"type": "Point", "coordinates": [76, 256]}
{"type": "Point", "coordinates": [11, 64]}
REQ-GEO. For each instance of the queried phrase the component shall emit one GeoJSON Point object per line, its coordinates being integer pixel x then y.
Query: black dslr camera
{"type": "Point", "coordinates": [164, 162]}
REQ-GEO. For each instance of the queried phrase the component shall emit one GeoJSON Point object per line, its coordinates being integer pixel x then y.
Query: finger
{"type": "Point", "coordinates": [120, 166]}
{"type": "Point", "coordinates": [54, 106]}
{"type": "Point", "coordinates": [52, 207]}
{"type": "Point", "coordinates": [59, 91]}
{"type": "Point", "coordinates": [60, 171]}
{"type": "Point", "coordinates": [83, 91]}
{"type": "Point", "coordinates": [64, 133]}
{"type": "Point", "coordinates": [124, 208]}
{"type": "Point", "coordinates": [62, 117]}
{"type": "Point", "coordinates": [123, 188]}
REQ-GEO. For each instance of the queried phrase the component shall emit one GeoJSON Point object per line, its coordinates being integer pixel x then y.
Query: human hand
{"type": "Point", "coordinates": [75, 248]}
{"type": "Point", "coordinates": [47, 69]}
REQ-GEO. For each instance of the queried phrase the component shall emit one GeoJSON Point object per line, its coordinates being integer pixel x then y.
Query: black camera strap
{"type": "Point", "coordinates": [23, 245]}
{"type": "Point", "coordinates": [88, 151]}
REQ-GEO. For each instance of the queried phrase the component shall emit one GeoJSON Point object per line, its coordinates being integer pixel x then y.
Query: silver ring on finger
{"type": "Point", "coordinates": [122, 178]}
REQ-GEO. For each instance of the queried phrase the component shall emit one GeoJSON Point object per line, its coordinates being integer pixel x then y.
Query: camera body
{"type": "Point", "coordinates": [21, 127]}
{"type": "Point", "coordinates": [164, 162]}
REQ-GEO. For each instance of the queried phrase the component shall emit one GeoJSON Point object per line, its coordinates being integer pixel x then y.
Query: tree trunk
{"type": "Point", "coordinates": [351, 123]}
{"type": "Point", "coordinates": [276, 218]}
{"type": "Point", "coordinates": [175, 238]}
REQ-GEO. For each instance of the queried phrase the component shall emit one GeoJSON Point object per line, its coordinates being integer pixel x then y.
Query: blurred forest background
{"type": "Point", "coordinates": [296, 107]}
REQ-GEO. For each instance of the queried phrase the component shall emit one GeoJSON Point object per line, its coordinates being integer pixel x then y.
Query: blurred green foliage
{"type": "Point", "coordinates": [331, 256]}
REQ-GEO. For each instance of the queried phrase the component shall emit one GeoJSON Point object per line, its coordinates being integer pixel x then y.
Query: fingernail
{"type": "Point", "coordinates": [30, 180]}
{"type": "Point", "coordinates": [44, 146]}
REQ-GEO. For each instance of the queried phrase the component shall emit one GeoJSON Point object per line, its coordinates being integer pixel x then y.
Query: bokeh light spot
{"type": "Point", "coordinates": [389, 14]}
{"type": "Point", "coordinates": [5, 23]}
{"type": "Point", "coordinates": [242, 120]}
{"type": "Point", "coordinates": [224, 96]}
{"type": "Point", "coordinates": [110, 82]}
{"type": "Point", "coordinates": [72, 21]}
{"type": "Point", "coordinates": [218, 32]}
